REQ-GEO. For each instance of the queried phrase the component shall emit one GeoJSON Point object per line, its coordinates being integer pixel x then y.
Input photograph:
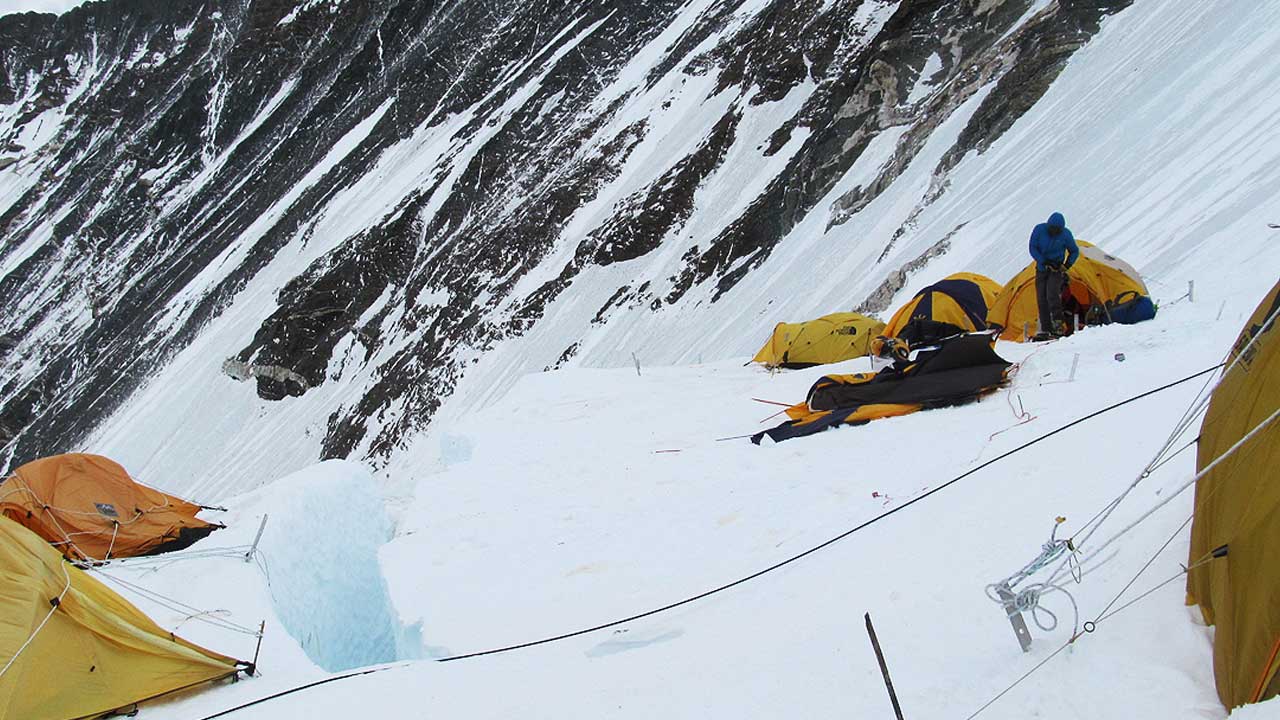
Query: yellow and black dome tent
{"type": "Point", "coordinates": [90, 509]}
{"type": "Point", "coordinates": [1237, 512]}
{"type": "Point", "coordinates": [828, 339]}
{"type": "Point", "coordinates": [955, 304]}
{"type": "Point", "coordinates": [1097, 281]}
{"type": "Point", "coordinates": [70, 647]}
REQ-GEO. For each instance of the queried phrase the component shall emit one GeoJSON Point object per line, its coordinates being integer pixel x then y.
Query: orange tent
{"type": "Point", "coordinates": [88, 507]}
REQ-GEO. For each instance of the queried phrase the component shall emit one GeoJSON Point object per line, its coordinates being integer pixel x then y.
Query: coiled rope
{"type": "Point", "coordinates": [1198, 406]}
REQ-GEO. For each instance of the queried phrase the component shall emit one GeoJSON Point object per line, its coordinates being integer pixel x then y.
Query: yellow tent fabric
{"type": "Point", "coordinates": [1238, 506]}
{"type": "Point", "coordinates": [960, 300]}
{"type": "Point", "coordinates": [828, 339]}
{"type": "Point", "coordinates": [1096, 279]}
{"type": "Point", "coordinates": [70, 647]}
{"type": "Point", "coordinates": [90, 509]}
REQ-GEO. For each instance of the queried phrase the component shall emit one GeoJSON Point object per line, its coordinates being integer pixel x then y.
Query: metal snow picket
{"type": "Point", "coordinates": [1009, 600]}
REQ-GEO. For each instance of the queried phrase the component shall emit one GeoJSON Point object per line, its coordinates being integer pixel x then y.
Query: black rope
{"type": "Point", "coordinates": [1141, 570]}
{"type": "Point", "coordinates": [1178, 452]}
{"type": "Point", "coordinates": [753, 576]}
{"type": "Point", "coordinates": [832, 541]}
{"type": "Point", "coordinates": [290, 691]}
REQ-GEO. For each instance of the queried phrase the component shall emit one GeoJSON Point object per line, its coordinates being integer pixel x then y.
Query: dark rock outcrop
{"type": "Point", "coordinates": [171, 151]}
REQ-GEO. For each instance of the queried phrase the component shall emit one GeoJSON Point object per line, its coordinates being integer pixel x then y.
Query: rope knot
{"type": "Point", "coordinates": [1027, 600]}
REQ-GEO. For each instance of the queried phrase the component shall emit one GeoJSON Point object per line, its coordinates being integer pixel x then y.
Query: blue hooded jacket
{"type": "Point", "coordinates": [1051, 240]}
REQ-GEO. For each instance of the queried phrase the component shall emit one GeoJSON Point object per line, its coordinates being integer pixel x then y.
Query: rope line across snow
{"type": "Point", "coordinates": [832, 541]}
{"type": "Point", "coordinates": [765, 571]}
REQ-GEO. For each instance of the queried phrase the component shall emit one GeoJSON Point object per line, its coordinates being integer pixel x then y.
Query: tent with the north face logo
{"type": "Point", "coordinates": [955, 304]}
{"type": "Point", "coordinates": [828, 339]}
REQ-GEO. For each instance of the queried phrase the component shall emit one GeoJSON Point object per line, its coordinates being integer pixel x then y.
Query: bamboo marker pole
{"type": "Point", "coordinates": [884, 668]}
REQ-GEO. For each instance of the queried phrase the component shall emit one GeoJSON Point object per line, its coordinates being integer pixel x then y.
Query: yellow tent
{"type": "Point", "coordinates": [70, 647]}
{"type": "Point", "coordinates": [828, 339]}
{"type": "Point", "coordinates": [955, 304]}
{"type": "Point", "coordinates": [1237, 511]}
{"type": "Point", "coordinates": [1096, 282]}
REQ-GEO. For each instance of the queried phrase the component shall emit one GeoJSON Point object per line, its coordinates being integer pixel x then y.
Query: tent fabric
{"type": "Point", "coordinates": [1096, 282]}
{"type": "Point", "coordinates": [956, 304]}
{"type": "Point", "coordinates": [89, 654]}
{"type": "Point", "coordinates": [828, 339]}
{"type": "Point", "coordinates": [90, 509]}
{"type": "Point", "coordinates": [1238, 506]}
{"type": "Point", "coordinates": [961, 369]}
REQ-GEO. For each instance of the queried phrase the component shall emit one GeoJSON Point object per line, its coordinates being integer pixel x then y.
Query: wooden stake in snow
{"type": "Point", "coordinates": [637, 361]}
{"type": "Point", "coordinates": [1191, 290]}
{"type": "Point", "coordinates": [884, 668]}
{"type": "Point", "coordinates": [1075, 361]}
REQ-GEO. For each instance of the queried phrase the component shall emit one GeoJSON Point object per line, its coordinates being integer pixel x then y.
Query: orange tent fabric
{"type": "Point", "coordinates": [89, 508]}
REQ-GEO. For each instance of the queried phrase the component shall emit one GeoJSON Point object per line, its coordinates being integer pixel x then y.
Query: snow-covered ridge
{"type": "Point", "coordinates": [512, 257]}
{"type": "Point", "coordinates": [297, 187]}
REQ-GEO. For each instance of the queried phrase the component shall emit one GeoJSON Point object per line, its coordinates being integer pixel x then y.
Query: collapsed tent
{"type": "Point", "coordinates": [1100, 289]}
{"type": "Point", "coordinates": [70, 647]}
{"type": "Point", "coordinates": [955, 304]}
{"type": "Point", "coordinates": [828, 339]}
{"type": "Point", "coordinates": [88, 507]}
{"type": "Point", "coordinates": [960, 369]}
{"type": "Point", "coordinates": [1235, 537]}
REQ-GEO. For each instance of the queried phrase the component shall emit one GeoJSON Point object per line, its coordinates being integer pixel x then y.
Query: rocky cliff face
{"type": "Point", "coordinates": [380, 192]}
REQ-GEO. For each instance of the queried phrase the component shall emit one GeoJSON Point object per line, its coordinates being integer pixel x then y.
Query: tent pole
{"type": "Point", "coordinates": [263, 526]}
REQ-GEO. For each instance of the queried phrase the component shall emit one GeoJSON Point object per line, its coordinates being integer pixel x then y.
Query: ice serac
{"type": "Point", "coordinates": [348, 205]}
{"type": "Point", "coordinates": [325, 526]}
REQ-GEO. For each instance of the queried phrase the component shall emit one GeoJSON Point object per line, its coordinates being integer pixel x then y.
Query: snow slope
{"type": "Point", "coordinates": [586, 496]}
{"type": "Point", "coordinates": [1158, 142]}
{"type": "Point", "coordinates": [544, 503]}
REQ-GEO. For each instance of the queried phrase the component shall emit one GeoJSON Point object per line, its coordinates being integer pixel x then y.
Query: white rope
{"type": "Point", "coordinates": [115, 528]}
{"type": "Point", "coordinates": [232, 551]}
{"type": "Point", "coordinates": [1194, 479]}
{"type": "Point", "coordinates": [1029, 598]}
{"type": "Point", "coordinates": [189, 612]}
{"type": "Point", "coordinates": [1198, 406]}
{"type": "Point", "coordinates": [56, 604]}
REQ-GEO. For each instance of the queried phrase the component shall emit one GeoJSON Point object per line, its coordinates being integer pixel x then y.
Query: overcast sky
{"type": "Point", "coordinates": [57, 6]}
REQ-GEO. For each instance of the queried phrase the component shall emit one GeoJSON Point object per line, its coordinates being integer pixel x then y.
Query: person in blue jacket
{"type": "Point", "coordinates": [1054, 249]}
